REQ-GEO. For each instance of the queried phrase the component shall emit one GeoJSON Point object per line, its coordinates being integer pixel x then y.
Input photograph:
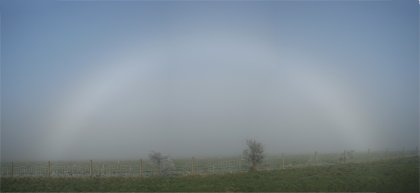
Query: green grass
{"type": "Point", "coordinates": [397, 175]}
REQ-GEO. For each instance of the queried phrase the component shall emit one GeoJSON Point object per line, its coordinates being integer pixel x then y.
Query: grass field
{"type": "Point", "coordinates": [394, 175]}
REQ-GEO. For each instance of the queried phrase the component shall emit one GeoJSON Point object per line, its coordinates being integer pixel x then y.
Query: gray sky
{"type": "Point", "coordinates": [115, 80]}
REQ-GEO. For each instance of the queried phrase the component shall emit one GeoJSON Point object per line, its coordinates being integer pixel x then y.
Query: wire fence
{"type": "Point", "coordinates": [182, 167]}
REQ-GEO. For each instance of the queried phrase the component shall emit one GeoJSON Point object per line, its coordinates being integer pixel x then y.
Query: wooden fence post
{"type": "Point", "coordinates": [118, 167]}
{"type": "Point", "coordinates": [91, 168]}
{"type": "Point", "coordinates": [141, 168]}
{"type": "Point", "coordinates": [212, 166]}
{"type": "Point", "coordinates": [344, 156]}
{"type": "Point", "coordinates": [13, 169]}
{"type": "Point", "coordinates": [192, 165]}
{"type": "Point", "coordinates": [283, 162]}
{"type": "Point", "coordinates": [240, 163]}
{"type": "Point", "coordinates": [49, 168]}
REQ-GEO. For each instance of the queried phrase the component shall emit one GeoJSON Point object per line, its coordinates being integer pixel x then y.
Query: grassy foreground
{"type": "Point", "coordinates": [398, 175]}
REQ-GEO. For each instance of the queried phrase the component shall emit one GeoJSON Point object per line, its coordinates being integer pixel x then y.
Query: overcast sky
{"type": "Point", "coordinates": [115, 80]}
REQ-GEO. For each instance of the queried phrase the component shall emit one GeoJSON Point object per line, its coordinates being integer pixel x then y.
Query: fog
{"type": "Point", "coordinates": [116, 80]}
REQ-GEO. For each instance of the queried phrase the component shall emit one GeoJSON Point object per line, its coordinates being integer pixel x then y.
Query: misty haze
{"type": "Point", "coordinates": [109, 81]}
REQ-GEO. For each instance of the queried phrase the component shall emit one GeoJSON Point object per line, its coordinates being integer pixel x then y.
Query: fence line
{"type": "Point", "coordinates": [194, 166]}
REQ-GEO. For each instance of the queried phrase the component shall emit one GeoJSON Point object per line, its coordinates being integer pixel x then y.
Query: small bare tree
{"type": "Point", "coordinates": [254, 153]}
{"type": "Point", "coordinates": [163, 162]}
{"type": "Point", "coordinates": [157, 158]}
